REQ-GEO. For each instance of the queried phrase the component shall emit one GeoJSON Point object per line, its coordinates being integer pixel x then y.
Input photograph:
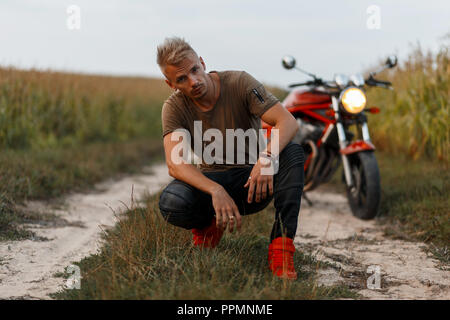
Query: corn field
{"type": "Point", "coordinates": [40, 109]}
{"type": "Point", "coordinates": [415, 116]}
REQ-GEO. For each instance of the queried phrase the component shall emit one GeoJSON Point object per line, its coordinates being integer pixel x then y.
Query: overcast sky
{"type": "Point", "coordinates": [121, 36]}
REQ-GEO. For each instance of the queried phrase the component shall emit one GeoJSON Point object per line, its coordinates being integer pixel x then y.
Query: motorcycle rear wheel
{"type": "Point", "coordinates": [365, 199]}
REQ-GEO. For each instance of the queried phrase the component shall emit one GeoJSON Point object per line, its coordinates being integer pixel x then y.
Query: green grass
{"type": "Point", "coordinates": [50, 173]}
{"type": "Point", "coordinates": [146, 258]}
{"type": "Point", "coordinates": [415, 200]}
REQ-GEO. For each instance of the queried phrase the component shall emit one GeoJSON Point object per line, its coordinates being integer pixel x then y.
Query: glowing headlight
{"type": "Point", "coordinates": [353, 100]}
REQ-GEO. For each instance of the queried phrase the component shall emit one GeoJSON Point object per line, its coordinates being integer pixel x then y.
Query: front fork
{"type": "Point", "coordinates": [343, 142]}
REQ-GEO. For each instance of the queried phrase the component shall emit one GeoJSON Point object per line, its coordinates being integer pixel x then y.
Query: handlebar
{"type": "Point", "coordinates": [307, 83]}
{"type": "Point", "coordinates": [371, 81]}
{"type": "Point", "coordinates": [315, 82]}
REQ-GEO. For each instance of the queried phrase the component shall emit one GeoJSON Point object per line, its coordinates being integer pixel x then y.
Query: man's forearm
{"type": "Point", "coordinates": [286, 132]}
{"type": "Point", "coordinates": [193, 176]}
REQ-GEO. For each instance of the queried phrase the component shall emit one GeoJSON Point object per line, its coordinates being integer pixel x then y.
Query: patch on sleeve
{"type": "Point", "coordinates": [258, 95]}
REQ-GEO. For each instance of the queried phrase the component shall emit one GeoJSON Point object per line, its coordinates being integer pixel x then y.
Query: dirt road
{"type": "Point", "coordinates": [398, 269]}
{"type": "Point", "coordinates": [363, 257]}
{"type": "Point", "coordinates": [27, 268]}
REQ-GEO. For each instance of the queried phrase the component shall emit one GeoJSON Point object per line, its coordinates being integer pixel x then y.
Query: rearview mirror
{"type": "Point", "coordinates": [391, 61]}
{"type": "Point", "coordinates": [288, 62]}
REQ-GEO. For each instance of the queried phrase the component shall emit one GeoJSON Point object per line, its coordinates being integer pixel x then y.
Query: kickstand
{"type": "Point", "coordinates": [308, 200]}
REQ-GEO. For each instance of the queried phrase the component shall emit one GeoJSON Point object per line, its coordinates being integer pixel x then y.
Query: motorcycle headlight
{"type": "Point", "coordinates": [353, 100]}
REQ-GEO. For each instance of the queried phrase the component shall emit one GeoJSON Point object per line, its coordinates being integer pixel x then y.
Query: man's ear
{"type": "Point", "coordinates": [202, 63]}
{"type": "Point", "coordinates": [166, 80]}
{"type": "Point", "coordinates": [169, 83]}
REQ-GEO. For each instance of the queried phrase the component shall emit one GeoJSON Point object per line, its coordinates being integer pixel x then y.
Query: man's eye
{"type": "Point", "coordinates": [194, 69]}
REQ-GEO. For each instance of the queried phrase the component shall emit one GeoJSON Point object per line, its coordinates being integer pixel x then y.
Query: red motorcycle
{"type": "Point", "coordinates": [325, 111]}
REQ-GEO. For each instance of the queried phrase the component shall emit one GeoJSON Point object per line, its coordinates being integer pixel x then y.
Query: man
{"type": "Point", "coordinates": [213, 196]}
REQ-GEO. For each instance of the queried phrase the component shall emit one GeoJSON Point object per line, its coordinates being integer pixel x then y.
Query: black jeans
{"type": "Point", "coordinates": [185, 206]}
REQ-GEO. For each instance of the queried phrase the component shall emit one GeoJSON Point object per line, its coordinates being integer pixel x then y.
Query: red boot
{"type": "Point", "coordinates": [281, 258]}
{"type": "Point", "coordinates": [208, 237]}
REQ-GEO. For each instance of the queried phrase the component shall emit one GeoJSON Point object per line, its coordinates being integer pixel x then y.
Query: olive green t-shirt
{"type": "Point", "coordinates": [241, 102]}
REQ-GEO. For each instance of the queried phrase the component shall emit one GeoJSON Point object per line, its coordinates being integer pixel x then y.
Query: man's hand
{"type": "Point", "coordinates": [227, 213]}
{"type": "Point", "coordinates": [262, 183]}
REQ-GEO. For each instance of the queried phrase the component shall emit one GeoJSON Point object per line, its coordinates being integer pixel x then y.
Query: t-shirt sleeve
{"type": "Point", "coordinates": [259, 100]}
{"type": "Point", "coordinates": [170, 118]}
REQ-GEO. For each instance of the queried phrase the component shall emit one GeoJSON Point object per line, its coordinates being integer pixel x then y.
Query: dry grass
{"type": "Point", "coordinates": [50, 173]}
{"type": "Point", "coordinates": [40, 109]}
{"type": "Point", "coordinates": [415, 116]}
{"type": "Point", "coordinates": [415, 199]}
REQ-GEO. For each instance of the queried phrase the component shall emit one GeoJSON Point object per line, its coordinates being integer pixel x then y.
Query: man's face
{"type": "Point", "coordinates": [188, 76]}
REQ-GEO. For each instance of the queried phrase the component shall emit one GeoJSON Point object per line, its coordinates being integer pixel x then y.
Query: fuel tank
{"type": "Point", "coordinates": [302, 97]}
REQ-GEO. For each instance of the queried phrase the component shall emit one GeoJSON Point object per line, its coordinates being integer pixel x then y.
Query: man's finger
{"type": "Point", "coordinates": [231, 223]}
{"type": "Point", "coordinates": [237, 216]}
{"type": "Point", "coordinates": [247, 183]}
{"type": "Point", "coordinates": [219, 218]}
{"type": "Point", "coordinates": [258, 191]}
{"type": "Point", "coordinates": [225, 218]}
{"type": "Point", "coordinates": [270, 185]}
{"type": "Point", "coordinates": [230, 219]}
{"type": "Point", "coordinates": [250, 192]}
{"type": "Point", "coordinates": [264, 190]}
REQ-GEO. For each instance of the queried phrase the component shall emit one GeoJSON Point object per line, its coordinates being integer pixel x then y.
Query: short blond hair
{"type": "Point", "coordinates": [172, 51]}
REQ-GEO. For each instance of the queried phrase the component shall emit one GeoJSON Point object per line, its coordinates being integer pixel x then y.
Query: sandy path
{"type": "Point", "coordinates": [330, 232]}
{"type": "Point", "coordinates": [327, 230]}
{"type": "Point", "coordinates": [27, 268]}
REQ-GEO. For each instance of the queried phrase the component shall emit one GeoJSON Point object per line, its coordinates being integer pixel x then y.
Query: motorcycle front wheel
{"type": "Point", "coordinates": [364, 200]}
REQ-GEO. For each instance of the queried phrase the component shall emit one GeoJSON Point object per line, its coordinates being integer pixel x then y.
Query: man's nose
{"type": "Point", "coordinates": [193, 81]}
